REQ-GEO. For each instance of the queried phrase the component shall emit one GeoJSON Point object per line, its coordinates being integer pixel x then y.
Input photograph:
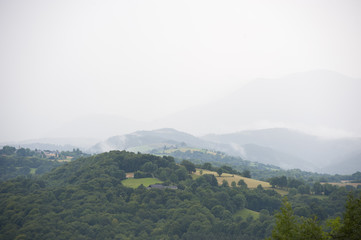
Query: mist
{"type": "Point", "coordinates": [65, 63]}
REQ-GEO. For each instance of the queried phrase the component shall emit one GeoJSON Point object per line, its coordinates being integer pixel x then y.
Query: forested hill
{"type": "Point", "coordinates": [85, 199]}
{"type": "Point", "coordinates": [88, 198]}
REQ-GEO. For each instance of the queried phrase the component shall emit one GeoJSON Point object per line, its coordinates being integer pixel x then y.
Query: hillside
{"type": "Point", "coordinates": [280, 147]}
{"type": "Point", "coordinates": [85, 199]}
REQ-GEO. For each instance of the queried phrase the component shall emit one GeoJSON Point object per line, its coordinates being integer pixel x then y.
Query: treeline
{"type": "Point", "coordinates": [300, 186]}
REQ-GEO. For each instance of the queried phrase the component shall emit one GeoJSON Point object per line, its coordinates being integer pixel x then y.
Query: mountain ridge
{"type": "Point", "coordinates": [281, 147]}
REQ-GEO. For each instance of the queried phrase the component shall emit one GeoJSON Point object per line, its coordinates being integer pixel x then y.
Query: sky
{"type": "Point", "coordinates": [144, 60]}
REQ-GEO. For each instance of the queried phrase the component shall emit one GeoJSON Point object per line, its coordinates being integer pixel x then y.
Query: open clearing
{"type": "Point", "coordinates": [244, 213]}
{"type": "Point", "coordinates": [251, 183]}
{"type": "Point", "coordinates": [136, 182]}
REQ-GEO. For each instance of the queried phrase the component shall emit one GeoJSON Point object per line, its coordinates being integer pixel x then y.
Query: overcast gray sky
{"type": "Point", "coordinates": [60, 60]}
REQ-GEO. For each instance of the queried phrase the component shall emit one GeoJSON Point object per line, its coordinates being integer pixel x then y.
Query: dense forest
{"type": "Point", "coordinates": [86, 199]}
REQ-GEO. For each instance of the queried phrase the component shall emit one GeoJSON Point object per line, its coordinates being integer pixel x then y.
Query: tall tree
{"type": "Point", "coordinates": [189, 166]}
{"type": "Point", "coordinates": [246, 173]}
{"type": "Point", "coordinates": [285, 223]}
{"type": "Point", "coordinates": [219, 171]}
{"type": "Point", "coordinates": [288, 228]}
{"type": "Point", "coordinates": [351, 227]}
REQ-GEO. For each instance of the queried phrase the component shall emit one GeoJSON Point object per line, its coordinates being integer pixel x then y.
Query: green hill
{"type": "Point", "coordinates": [86, 199]}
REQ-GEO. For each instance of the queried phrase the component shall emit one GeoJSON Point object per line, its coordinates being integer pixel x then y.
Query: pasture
{"type": "Point", "coordinates": [251, 183]}
{"type": "Point", "coordinates": [136, 182]}
{"type": "Point", "coordinates": [245, 213]}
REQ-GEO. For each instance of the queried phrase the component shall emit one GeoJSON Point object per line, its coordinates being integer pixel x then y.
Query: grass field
{"type": "Point", "coordinates": [32, 170]}
{"type": "Point", "coordinates": [251, 183]}
{"type": "Point", "coordinates": [136, 182]}
{"type": "Point", "coordinates": [244, 213]}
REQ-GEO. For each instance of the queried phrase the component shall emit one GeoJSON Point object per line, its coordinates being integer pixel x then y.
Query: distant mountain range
{"type": "Point", "coordinates": [298, 149]}
{"type": "Point", "coordinates": [321, 103]}
{"type": "Point", "coordinates": [281, 147]}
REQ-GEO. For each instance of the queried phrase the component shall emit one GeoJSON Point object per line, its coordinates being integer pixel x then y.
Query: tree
{"type": "Point", "coordinates": [282, 181]}
{"type": "Point", "coordinates": [149, 167]}
{"type": "Point", "coordinates": [278, 181]}
{"type": "Point", "coordinates": [207, 179]}
{"type": "Point", "coordinates": [304, 189]}
{"type": "Point", "coordinates": [351, 227]}
{"type": "Point", "coordinates": [239, 200]}
{"type": "Point", "coordinates": [242, 184]}
{"type": "Point", "coordinates": [328, 188]}
{"type": "Point", "coordinates": [181, 173]}
{"type": "Point", "coordinates": [219, 171]}
{"type": "Point", "coordinates": [294, 183]}
{"type": "Point", "coordinates": [225, 183]}
{"type": "Point", "coordinates": [285, 223]}
{"type": "Point", "coordinates": [310, 229]}
{"type": "Point", "coordinates": [207, 166]}
{"type": "Point", "coordinates": [317, 188]}
{"type": "Point", "coordinates": [246, 173]}
{"type": "Point", "coordinates": [7, 150]}
{"type": "Point", "coordinates": [189, 166]}
{"type": "Point", "coordinates": [273, 181]}
{"type": "Point", "coordinates": [287, 226]}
